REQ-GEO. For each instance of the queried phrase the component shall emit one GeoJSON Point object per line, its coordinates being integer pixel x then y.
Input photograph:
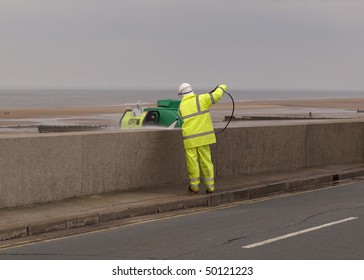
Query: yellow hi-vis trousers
{"type": "Point", "coordinates": [196, 157]}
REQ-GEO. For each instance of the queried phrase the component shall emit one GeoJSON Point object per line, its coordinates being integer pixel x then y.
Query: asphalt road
{"type": "Point", "coordinates": [324, 224]}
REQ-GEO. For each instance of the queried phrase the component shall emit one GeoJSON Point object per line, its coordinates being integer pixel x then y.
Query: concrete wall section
{"type": "Point", "coordinates": [41, 168]}
{"type": "Point", "coordinates": [261, 149]}
{"type": "Point", "coordinates": [131, 160]}
{"type": "Point", "coordinates": [334, 143]}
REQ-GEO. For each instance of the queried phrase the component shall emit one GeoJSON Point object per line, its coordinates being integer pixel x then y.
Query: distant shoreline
{"type": "Point", "coordinates": [340, 103]}
{"type": "Point", "coordinates": [59, 98]}
{"type": "Point", "coordinates": [110, 114]}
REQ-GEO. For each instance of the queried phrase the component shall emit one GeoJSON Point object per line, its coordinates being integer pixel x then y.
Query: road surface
{"type": "Point", "coordinates": [323, 224]}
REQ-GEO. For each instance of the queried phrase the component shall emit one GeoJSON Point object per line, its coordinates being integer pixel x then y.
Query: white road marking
{"type": "Point", "coordinates": [296, 233]}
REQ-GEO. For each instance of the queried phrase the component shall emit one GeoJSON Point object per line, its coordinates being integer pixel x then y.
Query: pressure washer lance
{"type": "Point", "coordinates": [231, 117]}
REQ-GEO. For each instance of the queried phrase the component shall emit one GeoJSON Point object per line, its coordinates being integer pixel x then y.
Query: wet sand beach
{"type": "Point", "coordinates": [19, 119]}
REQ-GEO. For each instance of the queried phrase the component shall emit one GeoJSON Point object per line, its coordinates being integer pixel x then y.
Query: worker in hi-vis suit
{"type": "Point", "coordinates": [198, 133]}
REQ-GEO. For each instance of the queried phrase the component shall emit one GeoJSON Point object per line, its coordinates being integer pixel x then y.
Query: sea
{"type": "Point", "coordinates": [49, 98]}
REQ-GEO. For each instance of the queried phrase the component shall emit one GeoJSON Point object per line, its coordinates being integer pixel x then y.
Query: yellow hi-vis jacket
{"type": "Point", "coordinates": [197, 128]}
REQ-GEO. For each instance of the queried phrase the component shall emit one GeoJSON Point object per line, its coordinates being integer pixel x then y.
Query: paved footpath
{"type": "Point", "coordinates": [97, 209]}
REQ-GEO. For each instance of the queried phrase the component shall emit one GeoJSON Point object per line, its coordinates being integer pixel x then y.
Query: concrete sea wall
{"type": "Point", "coordinates": [49, 167]}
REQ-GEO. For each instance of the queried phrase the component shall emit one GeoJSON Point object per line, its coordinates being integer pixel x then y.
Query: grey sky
{"type": "Point", "coordinates": [247, 44]}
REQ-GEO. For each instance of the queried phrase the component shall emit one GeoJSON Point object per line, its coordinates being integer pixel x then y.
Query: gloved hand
{"type": "Point", "coordinates": [223, 87]}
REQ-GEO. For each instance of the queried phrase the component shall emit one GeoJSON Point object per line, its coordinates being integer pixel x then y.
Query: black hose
{"type": "Point", "coordinates": [232, 114]}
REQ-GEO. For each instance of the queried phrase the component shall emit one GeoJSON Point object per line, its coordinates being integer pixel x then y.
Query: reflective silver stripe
{"type": "Point", "coordinates": [198, 106]}
{"type": "Point", "coordinates": [195, 114]}
{"type": "Point", "coordinates": [212, 98]}
{"type": "Point", "coordinates": [194, 183]}
{"type": "Point", "coordinates": [198, 135]}
{"type": "Point", "coordinates": [209, 182]}
{"type": "Point", "coordinates": [208, 179]}
{"type": "Point", "coordinates": [194, 179]}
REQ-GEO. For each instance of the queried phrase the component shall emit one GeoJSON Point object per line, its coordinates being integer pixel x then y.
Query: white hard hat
{"type": "Point", "coordinates": [185, 88]}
